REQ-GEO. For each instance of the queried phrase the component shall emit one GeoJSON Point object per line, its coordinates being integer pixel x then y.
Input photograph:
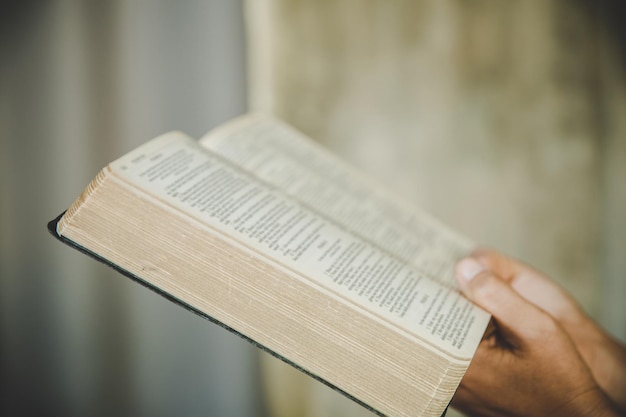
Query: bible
{"type": "Point", "coordinates": [262, 230]}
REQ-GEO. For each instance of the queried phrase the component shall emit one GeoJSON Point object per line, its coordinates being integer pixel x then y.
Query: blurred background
{"type": "Point", "coordinates": [506, 119]}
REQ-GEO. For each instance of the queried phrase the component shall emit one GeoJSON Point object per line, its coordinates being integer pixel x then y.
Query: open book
{"type": "Point", "coordinates": [261, 230]}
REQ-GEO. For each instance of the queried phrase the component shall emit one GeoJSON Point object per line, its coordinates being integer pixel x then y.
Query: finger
{"type": "Point", "coordinates": [514, 314]}
{"type": "Point", "coordinates": [531, 284]}
{"type": "Point", "coordinates": [505, 267]}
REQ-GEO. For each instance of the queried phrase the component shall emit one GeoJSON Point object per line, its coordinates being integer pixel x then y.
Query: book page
{"type": "Point", "coordinates": [187, 177]}
{"type": "Point", "coordinates": [287, 159]}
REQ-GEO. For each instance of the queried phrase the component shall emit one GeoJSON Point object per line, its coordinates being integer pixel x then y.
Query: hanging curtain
{"type": "Point", "coordinates": [82, 83]}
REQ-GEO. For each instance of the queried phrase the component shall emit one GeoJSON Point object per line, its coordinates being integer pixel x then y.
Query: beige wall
{"type": "Point", "coordinates": [502, 118]}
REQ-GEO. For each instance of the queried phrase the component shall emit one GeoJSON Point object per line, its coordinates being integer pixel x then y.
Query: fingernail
{"type": "Point", "coordinates": [468, 268]}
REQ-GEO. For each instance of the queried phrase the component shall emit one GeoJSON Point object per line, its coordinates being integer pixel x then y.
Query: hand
{"type": "Point", "coordinates": [527, 365]}
{"type": "Point", "coordinates": [605, 356]}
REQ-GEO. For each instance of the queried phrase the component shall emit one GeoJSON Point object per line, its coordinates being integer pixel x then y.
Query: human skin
{"type": "Point", "coordinates": [528, 364]}
{"type": "Point", "coordinates": [603, 354]}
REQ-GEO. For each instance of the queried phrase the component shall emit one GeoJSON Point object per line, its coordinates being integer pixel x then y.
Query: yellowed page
{"type": "Point", "coordinates": [204, 186]}
{"type": "Point", "coordinates": [287, 159]}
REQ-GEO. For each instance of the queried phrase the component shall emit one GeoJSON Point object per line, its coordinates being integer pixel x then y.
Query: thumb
{"type": "Point", "coordinates": [514, 315]}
